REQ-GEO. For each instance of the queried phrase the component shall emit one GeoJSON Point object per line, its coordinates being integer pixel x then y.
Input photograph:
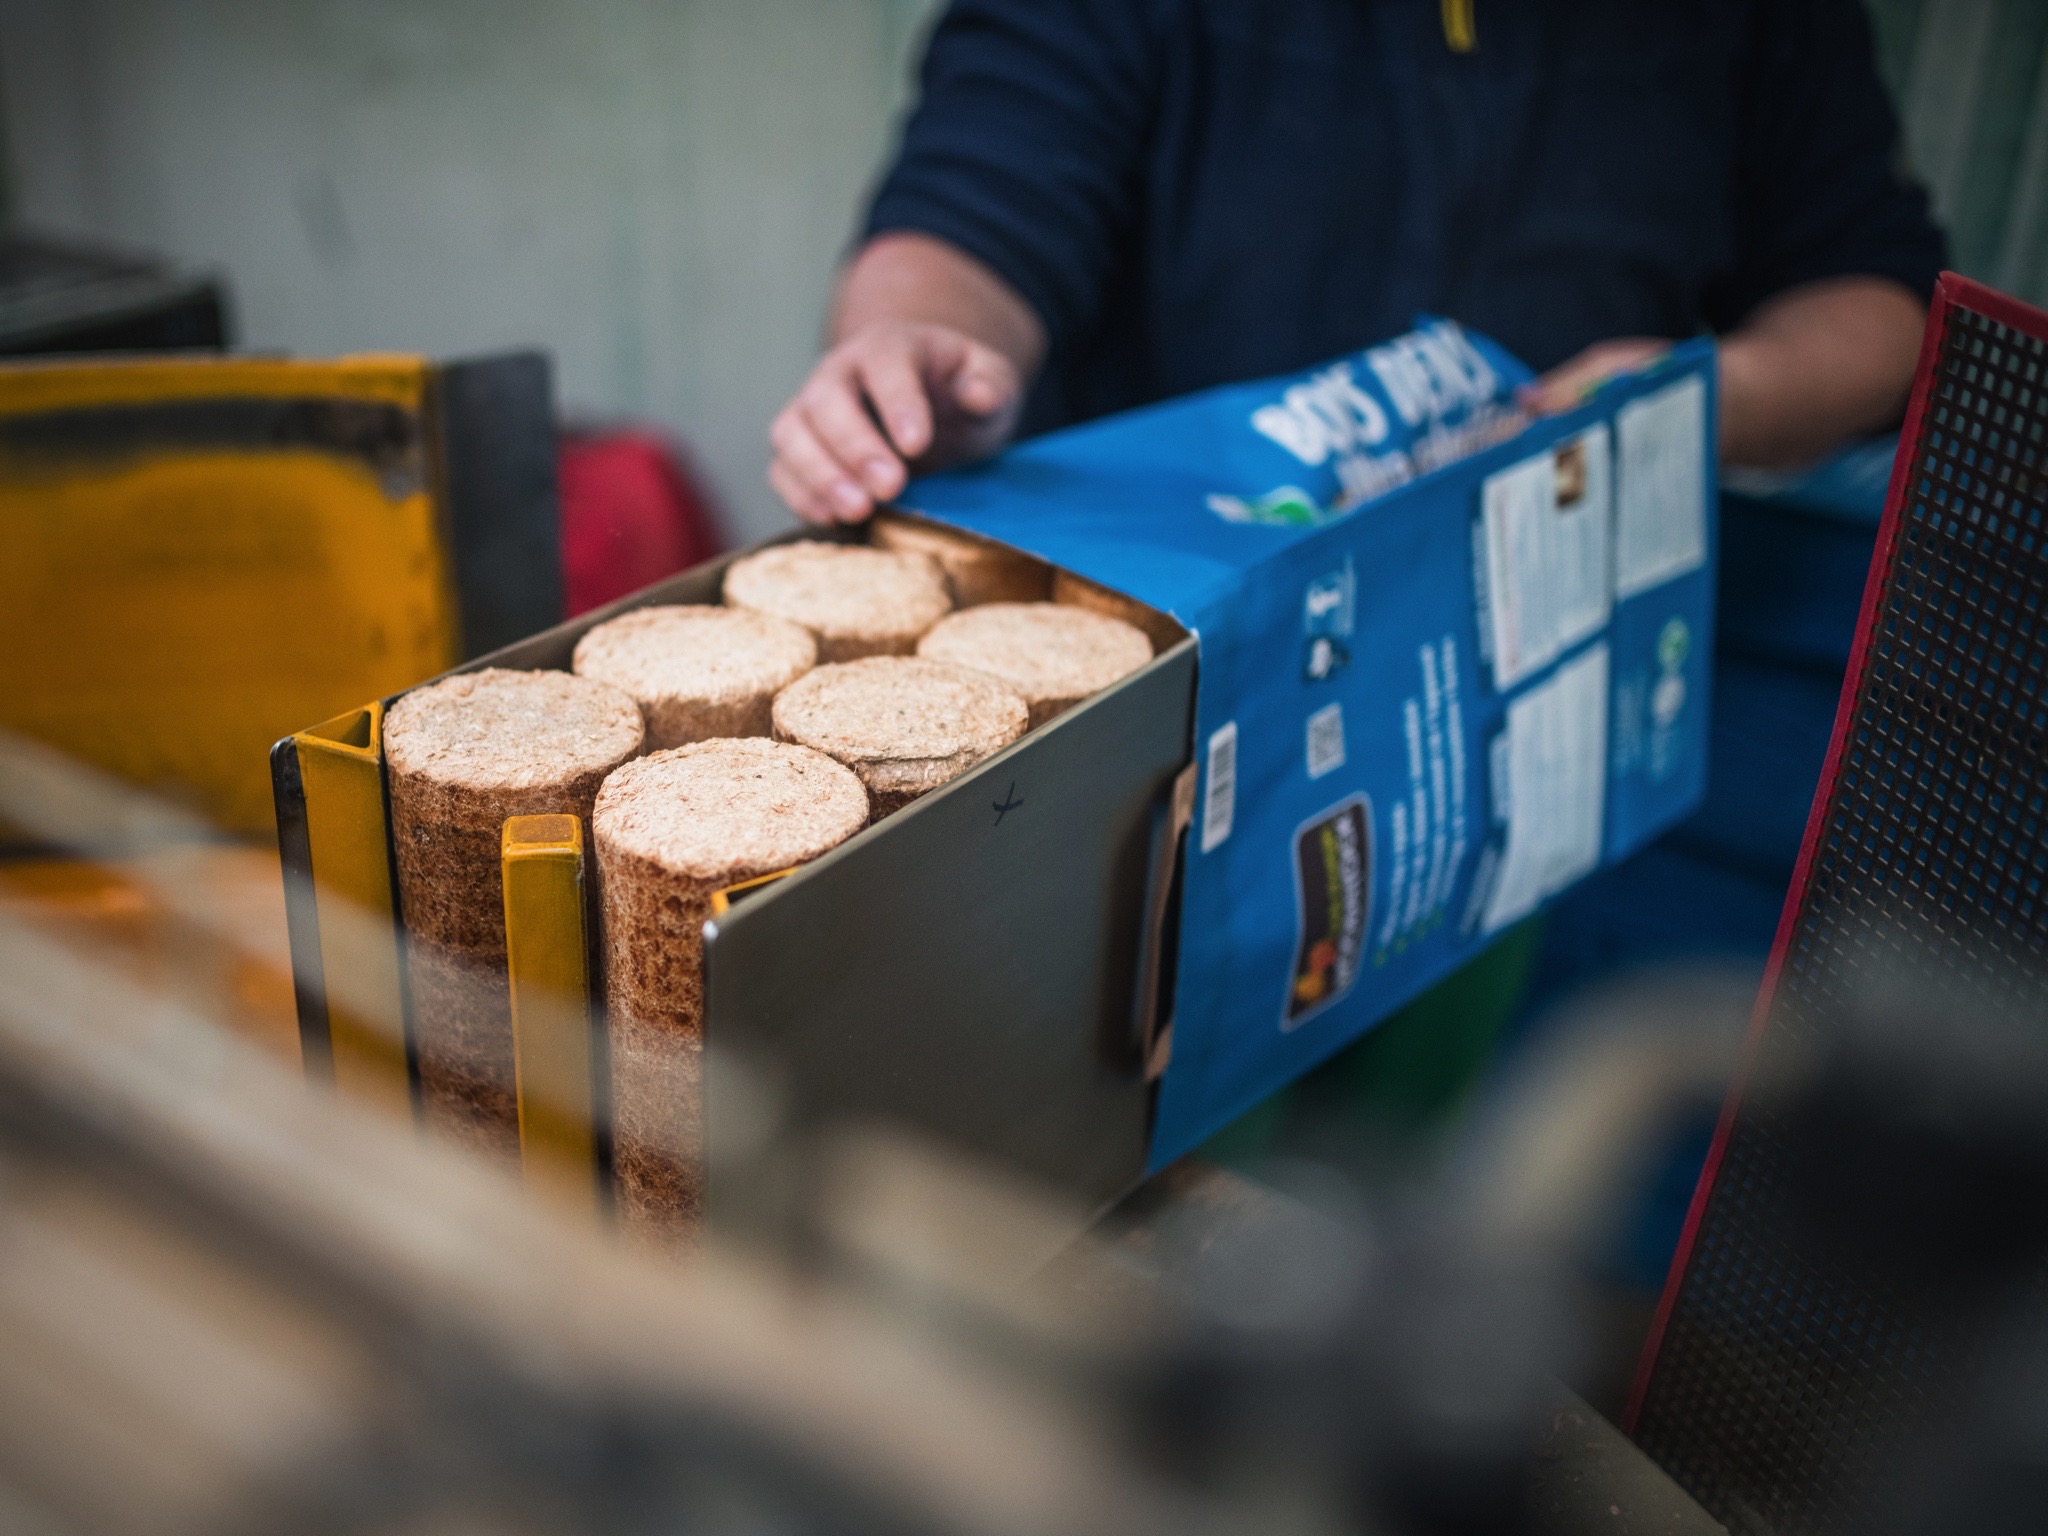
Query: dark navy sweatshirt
{"type": "Point", "coordinates": [1195, 191]}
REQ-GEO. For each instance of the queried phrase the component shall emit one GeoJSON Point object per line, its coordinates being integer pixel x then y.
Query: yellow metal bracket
{"type": "Point", "coordinates": [547, 949]}
{"type": "Point", "coordinates": [341, 767]}
{"type": "Point", "coordinates": [724, 901]}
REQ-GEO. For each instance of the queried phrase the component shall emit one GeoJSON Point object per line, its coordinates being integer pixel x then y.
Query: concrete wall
{"type": "Point", "coordinates": [656, 191]}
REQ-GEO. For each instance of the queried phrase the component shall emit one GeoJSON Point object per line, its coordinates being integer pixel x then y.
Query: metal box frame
{"type": "Point", "coordinates": [985, 966]}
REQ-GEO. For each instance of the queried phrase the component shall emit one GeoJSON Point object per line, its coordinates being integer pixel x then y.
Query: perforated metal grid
{"type": "Point", "coordinates": [1785, 1380]}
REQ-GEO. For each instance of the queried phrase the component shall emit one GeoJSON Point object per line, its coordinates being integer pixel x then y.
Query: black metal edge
{"type": "Point", "coordinates": [495, 440]}
{"type": "Point", "coordinates": [134, 314]}
{"type": "Point", "coordinates": [603, 1143]}
{"type": "Point", "coordinates": [301, 911]}
{"type": "Point", "coordinates": [398, 939]}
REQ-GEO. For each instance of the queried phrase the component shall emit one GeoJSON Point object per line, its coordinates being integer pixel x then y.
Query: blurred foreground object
{"type": "Point", "coordinates": [118, 907]}
{"type": "Point", "coordinates": [230, 1304]}
{"type": "Point", "coordinates": [204, 552]}
{"type": "Point", "coordinates": [631, 514]}
{"type": "Point", "coordinates": [153, 892]}
{"type": "Point", "coordinates": [1872, 1226]}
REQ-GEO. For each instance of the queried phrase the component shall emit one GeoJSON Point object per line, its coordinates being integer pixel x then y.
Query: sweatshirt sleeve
{"type": "Point", "coordinates": [1819, 189]}
{"type": "Point", "coordinates": [1026, 147]}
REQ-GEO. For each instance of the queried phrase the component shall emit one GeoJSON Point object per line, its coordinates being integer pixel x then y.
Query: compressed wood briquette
{"type": "Point", "coordinates": [904, 724]}
{"type": "Point", "coordinates": [671, 829]}
{"type": "Point", "coordinates": [855, 600]}
{"type": "Point", "coordinates": [698, 671]}
{"type": "Point", "coordinates": [1049, 655]}
{"type": "Point", "coordinates": [462, 755]}
{"type": "Point", "coordinates": [977, 570]}
{"type": "Point", "coordinates": [1078, 592]}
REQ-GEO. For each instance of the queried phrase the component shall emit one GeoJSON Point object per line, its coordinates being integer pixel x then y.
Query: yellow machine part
{"type": "Point", "coordinates": [340, 766]}
{"type": "Point", "coordinates": [547, 952]}
{"type": "Point", "coordinates": [176, 597]}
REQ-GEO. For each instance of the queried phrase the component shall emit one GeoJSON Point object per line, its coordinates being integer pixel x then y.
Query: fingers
{"type": "Point", "coordinates": [1573, 380]}
{"type": "Point", "coordinates": [823, 489]}
{"type": "Point", "coordinates": [965, 375]}
{"type": "Point", "coordinates": [1565, 386]}
{"type": "Point", "coordinates": [797, 495]}
{"type": "Point", "coordinates": [893, 376]}
{"type": "Point", "coordinates": [985, 383]}
{"type": "Point", "coordinates": [840, 423]}
{"type": "Point", "coordinates": [831, 461]}
{"type": "Point", "coordinates": [891, 396]}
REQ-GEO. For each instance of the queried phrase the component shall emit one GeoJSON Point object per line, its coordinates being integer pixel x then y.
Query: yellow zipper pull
{"type": "Point", "coordinates": [1459, 30]}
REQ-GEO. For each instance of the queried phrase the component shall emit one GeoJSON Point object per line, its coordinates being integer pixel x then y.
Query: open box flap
{"type": "Point", "coordinates": [1429, 699]}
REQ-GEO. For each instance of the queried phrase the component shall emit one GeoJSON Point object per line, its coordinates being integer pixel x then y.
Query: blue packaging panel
{"type": "Point", "coordinates": [1451, 663]}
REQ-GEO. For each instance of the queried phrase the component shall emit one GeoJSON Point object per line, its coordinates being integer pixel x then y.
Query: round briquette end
{"type": "Point", "coordinates": [904, 724]}
{"type": "Point", "coordinates": [977, 570]}
{"type": "Point", "coordinates": [462, 755]}
{"type": "Point", "coordinates": [855, 600]}
{"type": "Point", "coordinates": [1050, 655]}
{"type": "Point", "coordinates": [729, 809]}
{"type": "Point", "coordinates": [698, 672]}
{"type": "Point", "coordinates": [497, 734]}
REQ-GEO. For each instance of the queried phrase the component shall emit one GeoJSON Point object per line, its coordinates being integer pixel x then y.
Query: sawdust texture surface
{"type": "Point", "coordinates": [698, 672]}
{"type": "Point", "coordinates": [977, 570]}
{"type": "Point", "coordinates": [1052, 656]}
{"type": "Point", "coordinates": [462, 755]}
{"type": "Point", "coordinates": [671, 829]}
{"type": "Point", "coordinates": [905, 724]}
{"type": "Point", "coordinates": [857, 601]}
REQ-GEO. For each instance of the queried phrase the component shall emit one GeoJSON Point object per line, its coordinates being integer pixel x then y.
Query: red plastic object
{"type": "Point", "coordinates": [630, 515]}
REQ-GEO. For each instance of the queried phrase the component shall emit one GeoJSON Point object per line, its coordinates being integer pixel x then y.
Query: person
{"type": "Point", "coordinates": [1101, 203]}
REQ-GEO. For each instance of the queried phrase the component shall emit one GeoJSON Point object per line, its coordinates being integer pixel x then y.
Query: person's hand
{"type": "Point", "coordinates": [893, 397]}
{"type": "Point", "coordinates": [1570, 382]}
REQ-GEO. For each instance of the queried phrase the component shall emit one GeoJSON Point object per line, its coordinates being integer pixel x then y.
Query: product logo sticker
{"type": "Point", "coordinates": [1667, 697]}
{"type": "Point", "coordinates": [1329, 613]}
{"type": "Point", "coordinates": [1333, 896]}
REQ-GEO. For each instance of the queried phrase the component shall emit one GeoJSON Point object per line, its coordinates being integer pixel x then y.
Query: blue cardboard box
{"type": "Point", "coordinates": [1432, 664]}
{"type": "Point", "coordinates": [1451, 662]}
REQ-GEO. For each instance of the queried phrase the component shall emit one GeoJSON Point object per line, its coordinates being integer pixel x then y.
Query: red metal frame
{"type": "Point", "coordinates": [1953, 290]}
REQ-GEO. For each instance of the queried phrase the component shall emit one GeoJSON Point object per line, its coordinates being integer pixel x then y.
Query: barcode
{"type": "Point", "coordinates": [1219, 802]}
{"type": "Point", "coordinates": [1326, 740]}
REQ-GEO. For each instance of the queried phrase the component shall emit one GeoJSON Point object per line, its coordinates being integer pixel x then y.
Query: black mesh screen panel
{"type": "Point", "coordinates": [1788, 1380]}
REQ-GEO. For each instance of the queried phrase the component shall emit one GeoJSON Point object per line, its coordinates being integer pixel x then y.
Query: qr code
{"type": "Point", "coordinates": [1219, 803]}
{"type": "Point", "coordinates": [1326, 740]}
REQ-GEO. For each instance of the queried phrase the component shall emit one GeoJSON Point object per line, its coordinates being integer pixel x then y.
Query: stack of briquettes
{"type": "Point", "coordinates": [702, 747]}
